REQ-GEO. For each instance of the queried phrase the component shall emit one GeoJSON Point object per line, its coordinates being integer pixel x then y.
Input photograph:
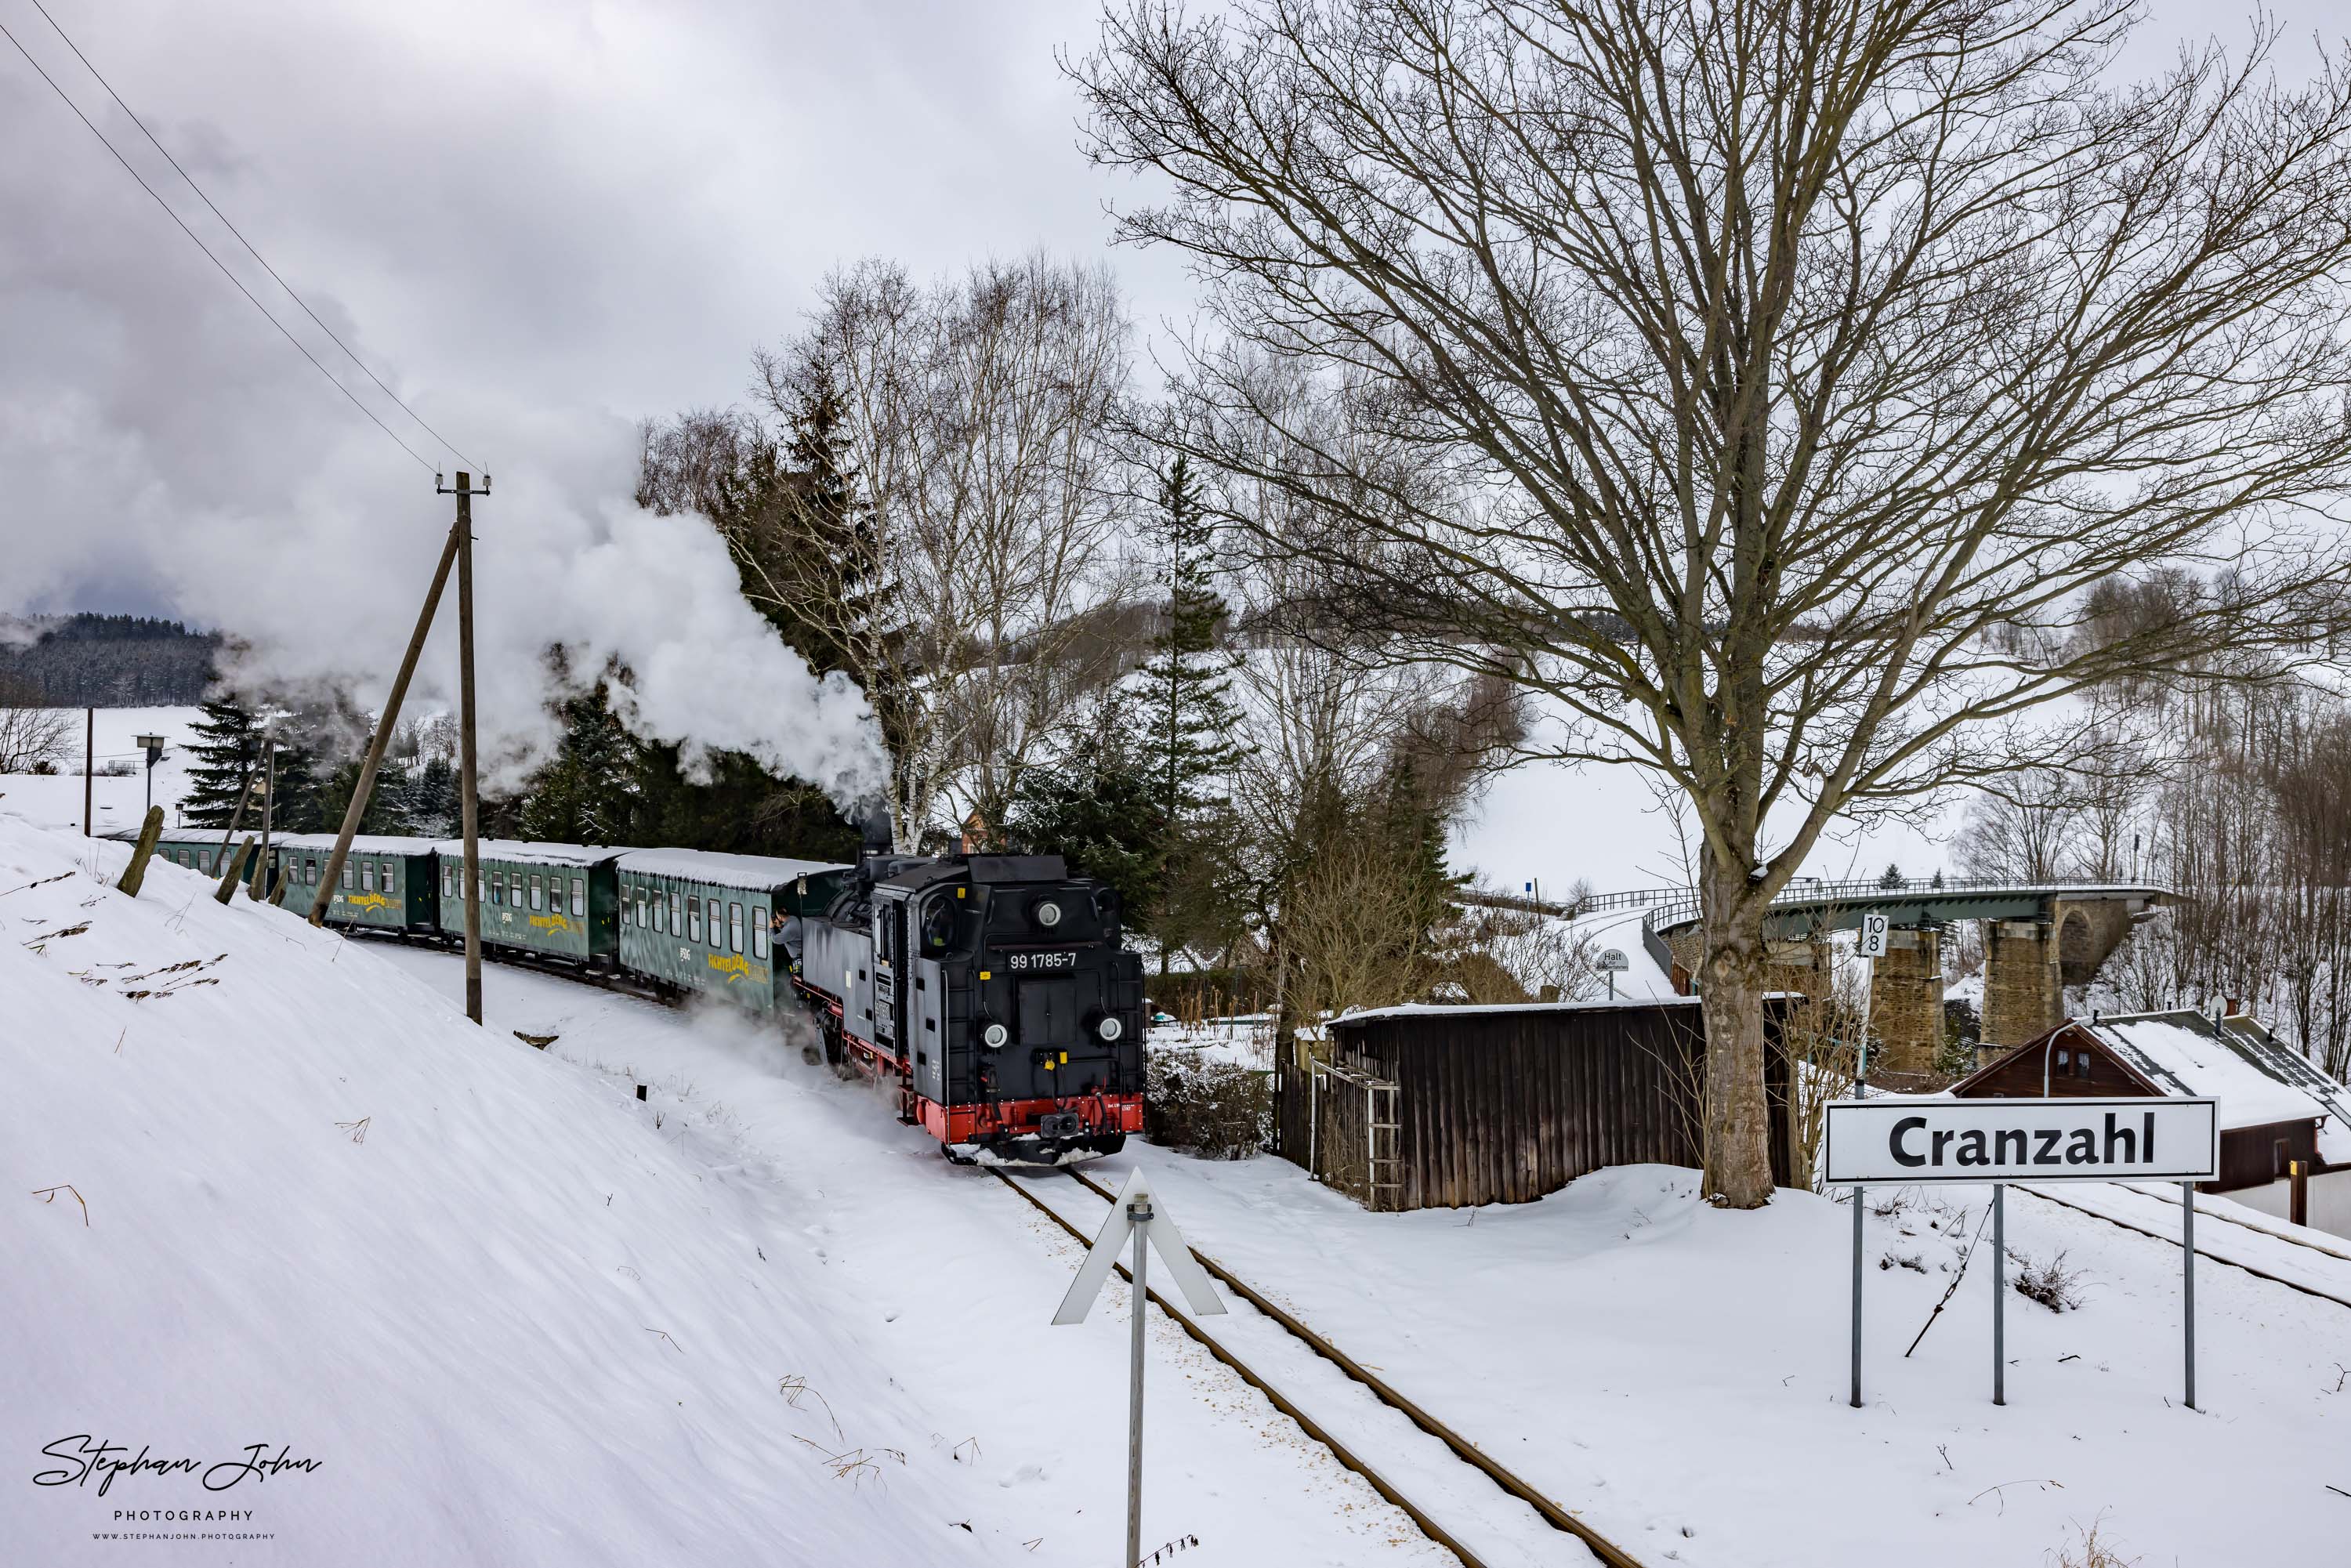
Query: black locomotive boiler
{"type": "Point", "coordinates": [995, 991]}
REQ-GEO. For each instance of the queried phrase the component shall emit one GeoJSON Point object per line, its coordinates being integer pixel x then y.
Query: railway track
{"type": "Point", "coordinates": [2201, 1250]}
{"type": "Point", "coordinates": [1477, 1496]}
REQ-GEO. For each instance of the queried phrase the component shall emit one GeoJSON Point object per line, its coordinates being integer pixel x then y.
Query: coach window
{"type": "Point", "coordinates": [579, 896]}
{"type": "Point", "coordinates": [392, 876]}
{"type": "Point", "coordinates": [310, 872]}
{"type": "Point", "coordinates": [538, 892]}
{"type": "Point", "coordinates": [347, 876]}
{"type": "Point", "coordinates": [759, 932]}
{"type": "Point", "coordinates": [717, 923]}
{"type": "Point", "coordinates": [734, 927]}
{"type": "Point", "coordinates": [694, 919]}
{"type": "Point", "coordinates": [661, 911]}
{"type": "Point", "coordinates": [641, 908]}
{"type": "Point", "coordinates": [676, 919]}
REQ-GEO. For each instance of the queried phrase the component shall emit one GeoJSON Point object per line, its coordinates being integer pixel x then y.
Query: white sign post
{"type": "Point", "coordinates": [1899, 1142]}
{"type": "Point", "coordinates": [1135, 1215]}
{"type": "Point", "coordinates": [1611, 963]}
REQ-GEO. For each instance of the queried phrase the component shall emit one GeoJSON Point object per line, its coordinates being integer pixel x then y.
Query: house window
{"type": "Point", "coordinates": [734, 927]}
{"type": "Point", "coordinates": [693, 919]}
{"type": "Point", "coordinates": [2081, 1064]}
{"type": "Point", "coordinates": [579, 896]}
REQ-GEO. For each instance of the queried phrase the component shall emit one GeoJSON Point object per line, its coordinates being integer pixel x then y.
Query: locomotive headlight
{"type": "Point", "coordinates": [994, 1036]}
{"type": "Point", "coordinates": [1109, 1028]}
{"type": "Point", "coordinates": [1049, 914]}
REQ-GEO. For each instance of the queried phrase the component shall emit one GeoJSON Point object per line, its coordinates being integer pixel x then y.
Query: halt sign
{"type": "Point", "coordinates": [1905, 1141]}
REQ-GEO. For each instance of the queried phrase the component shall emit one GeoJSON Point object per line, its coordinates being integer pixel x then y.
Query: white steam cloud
{"type": "Point", "coordinates": [562, 559]}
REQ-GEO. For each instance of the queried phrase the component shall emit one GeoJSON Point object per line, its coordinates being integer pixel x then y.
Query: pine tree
{"type": "Point", "coordinates": [1187, 748]}
{"type": "Point", "coordinates": [228, 753]}
{"type": "Point", "coordinates": [586, 793]}
{"type": "Point", "coordinates": [1097, 812]}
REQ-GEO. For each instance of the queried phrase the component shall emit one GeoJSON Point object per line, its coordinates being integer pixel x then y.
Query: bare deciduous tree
{"type": "Point", "coordinates": [31, 737]}
{"type": "Point", "coordinates": [977, 416]}
{"type": "Point", "coordinates": [1741, 371]}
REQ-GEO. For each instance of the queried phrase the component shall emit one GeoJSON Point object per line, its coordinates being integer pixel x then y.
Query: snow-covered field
{"type": "Point", "coordinates": [56, 799]}
{"type": "Point", "coordinates": [287, 1196]}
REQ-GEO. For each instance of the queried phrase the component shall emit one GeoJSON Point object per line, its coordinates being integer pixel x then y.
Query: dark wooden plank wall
{"type": "Point", "coordinates": [1504, 1107]}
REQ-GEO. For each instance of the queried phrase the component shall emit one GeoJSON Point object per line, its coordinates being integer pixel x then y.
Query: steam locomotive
{"type": "Point", "coordinates": [993, 989]}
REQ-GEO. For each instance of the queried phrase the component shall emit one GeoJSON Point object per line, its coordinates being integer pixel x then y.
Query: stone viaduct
{"type": "Point", "coordinates": [2038, 938]}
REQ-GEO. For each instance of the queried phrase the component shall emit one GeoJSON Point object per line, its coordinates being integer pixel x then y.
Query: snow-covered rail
{"type": "Point", "coordinates": [1435, 1470]}
{"type": "Point", "coordinates": [2269, 1272]}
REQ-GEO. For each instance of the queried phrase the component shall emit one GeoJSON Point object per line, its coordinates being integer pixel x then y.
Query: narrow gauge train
{"type": "Point", "coordinates": [993, 990]}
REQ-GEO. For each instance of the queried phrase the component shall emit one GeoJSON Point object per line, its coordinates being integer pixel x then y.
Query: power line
{"type": "Point", "coordinates": [256, 255]}
{"type": "Point", "coordinates": [215, 260]}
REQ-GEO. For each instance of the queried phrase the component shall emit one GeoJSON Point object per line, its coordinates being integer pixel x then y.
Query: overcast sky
{"type": "Point", "coordinates": [538, 220]}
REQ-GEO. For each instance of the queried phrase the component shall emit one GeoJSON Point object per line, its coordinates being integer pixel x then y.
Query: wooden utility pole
{"type": "Point", "coordinates": [261, 888]}
{"type": "Point", "coordinates": [333, 870]}
{"type": "Point", "coordinates": [89, 765]}
{"type": "Point", "coordinates": [468, 814]}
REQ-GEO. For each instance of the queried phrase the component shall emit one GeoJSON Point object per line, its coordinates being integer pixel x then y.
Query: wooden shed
{"type": "Point", "coordinates": [1439, 1107]}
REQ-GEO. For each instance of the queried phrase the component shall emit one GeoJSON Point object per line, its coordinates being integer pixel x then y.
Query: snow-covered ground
{"type": "Point", "coordinates": [282, 1194]}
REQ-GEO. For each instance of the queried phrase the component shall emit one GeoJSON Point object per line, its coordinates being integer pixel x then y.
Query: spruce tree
{"type": "Point", "coordinates": [228, 752]}
{"type": "Point", "coordinates": [1187, 747]}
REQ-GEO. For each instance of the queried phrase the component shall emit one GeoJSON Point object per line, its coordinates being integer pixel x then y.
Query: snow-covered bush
{"type": "Point", "coordinates": [1215, 1110]}
{"type": "Point", "coordinates": [2055, 1284]}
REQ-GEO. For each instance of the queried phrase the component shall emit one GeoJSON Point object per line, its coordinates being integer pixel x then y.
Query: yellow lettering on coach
{"type": "Point", "coordinates": [550, 922]}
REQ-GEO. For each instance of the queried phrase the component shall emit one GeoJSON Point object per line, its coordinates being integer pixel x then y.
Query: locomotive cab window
{"type": "Point", "coordinates": [938, 927]}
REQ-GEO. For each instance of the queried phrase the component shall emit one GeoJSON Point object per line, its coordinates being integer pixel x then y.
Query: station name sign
{"type": "Point", "coordinates": [1922, 1140]}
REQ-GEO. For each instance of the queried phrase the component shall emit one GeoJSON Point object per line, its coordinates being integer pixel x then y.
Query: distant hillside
{"type": "Point", "coordinates": [105, 661]}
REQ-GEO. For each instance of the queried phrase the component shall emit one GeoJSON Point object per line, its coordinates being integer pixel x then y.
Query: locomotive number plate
{"type": "Point", "coordinates": [1065, 959]}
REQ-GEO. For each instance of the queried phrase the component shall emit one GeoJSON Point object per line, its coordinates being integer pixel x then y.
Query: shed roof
{"type": "Point", "coordinates": [725, 870]}
{"type": "Point", "coordinates": [1450, 1010]}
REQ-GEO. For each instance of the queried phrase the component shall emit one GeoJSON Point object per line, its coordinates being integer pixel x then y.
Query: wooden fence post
{"type": "Point", "coordinates": [134, 877]}
{"type": "Point", "coordinates": [230, 873]}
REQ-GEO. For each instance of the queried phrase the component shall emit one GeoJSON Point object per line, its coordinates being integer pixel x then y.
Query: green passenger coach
{"type": "Point", "coordinates": [554, 900]}
{"type": "Point", "coordinates": [721, 924]}
{"type": "Point", "coordinates": [386, 882]}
